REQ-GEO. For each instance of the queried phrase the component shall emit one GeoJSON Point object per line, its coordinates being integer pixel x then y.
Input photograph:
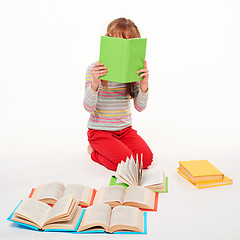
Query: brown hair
{"type": "Point", "coordinates": [125, 28]}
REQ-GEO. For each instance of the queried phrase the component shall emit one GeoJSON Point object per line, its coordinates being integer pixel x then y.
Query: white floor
{"type": "Point", "coordinates": [185, 212]}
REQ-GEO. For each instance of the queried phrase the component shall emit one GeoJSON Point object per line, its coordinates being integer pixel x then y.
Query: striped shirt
{"type": "Point", "coordinates": [110, 108]}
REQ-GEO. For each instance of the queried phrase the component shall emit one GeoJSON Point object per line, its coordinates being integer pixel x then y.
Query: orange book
{"type": "Point", "coordinates": [205, 184]}
{"type": "Point", "coordinates": [200, 171]}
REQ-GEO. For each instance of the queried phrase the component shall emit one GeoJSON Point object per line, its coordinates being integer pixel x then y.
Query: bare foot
{"type": "Point", "coordinates": [89, 149]}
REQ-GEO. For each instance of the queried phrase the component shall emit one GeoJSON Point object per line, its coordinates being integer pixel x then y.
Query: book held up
{"type": "Point", "coordinates": [123, 58]}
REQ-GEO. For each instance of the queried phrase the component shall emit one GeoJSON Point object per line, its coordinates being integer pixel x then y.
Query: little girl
{"type": "Point", "coordinates": [110, 133]}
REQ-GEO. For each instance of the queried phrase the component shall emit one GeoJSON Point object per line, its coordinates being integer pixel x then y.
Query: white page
{"type": "Point", "coordinates": [140, 195]}
{"type": "Point", "coordinates": [125, 215]}
{"type": "Point", "coordinates": [95, 214]}
{"type": "Point", "coordinates": [128, 171]}
{"type": "Point", "coordinates": [110, 194]}
{"type": "Point", "coordinates": [121, 173]}
{"type": "Point", "coordinates": [81, 192]}
{"type": "Point", "coordinates": [35, 210]}
{"type": "Point", "coordinates": [52, 190]}
{"type": "Point", "coordinates": [152, 176]}
{"type": "Point", "coordinates": [60, 207]}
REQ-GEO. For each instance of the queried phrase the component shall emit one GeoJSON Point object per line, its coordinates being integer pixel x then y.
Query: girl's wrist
{"type": "Point", "coordinates": [144, 88]}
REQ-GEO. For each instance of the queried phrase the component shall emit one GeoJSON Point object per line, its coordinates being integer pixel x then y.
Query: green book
{"type": "Point", "coordinates": [123, 58]}
{"type": "Point", "coordinates": [113, 181]}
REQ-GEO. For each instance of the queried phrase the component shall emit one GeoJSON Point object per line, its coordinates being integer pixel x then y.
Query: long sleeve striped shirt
{"type": "Point", "coordinates": [110, 108]}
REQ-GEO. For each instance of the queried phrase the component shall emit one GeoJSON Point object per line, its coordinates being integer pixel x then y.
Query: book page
{"type": "Point", "coordinates": [128, 218]}
{"type": "Point", "coordinates": [152, 176]}
{"type": "Point", "coordinates": [140, 195]}
{"type": "Point", "coordinates": [110, 194]}
{"type": "Point", "coordinates": [128, 171]}
{"type": "Point", "coordinates": [121, 173]}
{"type": "Point", "coordinates": [62, 207]}
{"type": "Point", "coordinates": [81, 192]}
{"type": "Point", "coordinates": [96, 215]}
{"type": "Point", "coordinates": [33, 210]}
{"type": "Point", "coordinates": [133, 170]}
{"type": "Point", "coordinates": [70, 225]}
{"type": "Point", "coordinates": [52, 190]}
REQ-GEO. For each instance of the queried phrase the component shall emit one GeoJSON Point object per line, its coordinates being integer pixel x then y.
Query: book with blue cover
{"type": "Point", "coordinates": [101, 218]}
{"type": "Point", "coordinates": [34, 214]}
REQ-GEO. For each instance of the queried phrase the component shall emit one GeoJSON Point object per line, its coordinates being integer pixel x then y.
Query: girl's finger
{"type": "Point", "coordinates": [143, 75]}
{"type": "Point", "coordinates": [142, 70]}
{"type": "Point", "coordinates": [98, 64]}
{"type": "Point", "coordinates": [145, 63]}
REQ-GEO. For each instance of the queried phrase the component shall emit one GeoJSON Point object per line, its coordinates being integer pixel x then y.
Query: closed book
{"type": "Point", "coordinates": [206, 184]}
{"type": "Point", "coordinates": [200, 171]}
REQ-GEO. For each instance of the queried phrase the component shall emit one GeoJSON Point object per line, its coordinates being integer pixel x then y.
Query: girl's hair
{"type": "Point", "coordinates": [125, 28]}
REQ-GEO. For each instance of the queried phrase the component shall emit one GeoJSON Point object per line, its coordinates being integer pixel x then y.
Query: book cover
{"type": "Point", "coordinates": [123, 58]}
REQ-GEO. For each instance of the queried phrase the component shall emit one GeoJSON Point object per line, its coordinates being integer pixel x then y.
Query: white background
{"type": "Point", "coordinates": [193, 111]}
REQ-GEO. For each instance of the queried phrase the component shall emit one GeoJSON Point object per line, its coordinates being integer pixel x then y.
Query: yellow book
{"type": "Point", "coordinates": [206, 184]}
{"type": "Point", "coordinates": [200, 171]}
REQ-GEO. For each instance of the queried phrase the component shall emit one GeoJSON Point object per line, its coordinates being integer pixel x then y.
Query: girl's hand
{"type": "Point", "coordinates": [145, 75]}
{"type": "Point", "coordinates": [97, 71]}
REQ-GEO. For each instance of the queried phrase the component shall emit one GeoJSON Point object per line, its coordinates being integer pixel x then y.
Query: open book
{"type": "Point", "coordinates": [131, 173]}
{"type": "Point", "coordinates": [51, 192]}
{"type": "Point", "coordinates": [120, 218]}
{"type": "Point", "coordinates": [123, 58]}
{"type": "Point", "coordinates": [134, 196]}
{"type": "Point", "coordinates": [64, 215]}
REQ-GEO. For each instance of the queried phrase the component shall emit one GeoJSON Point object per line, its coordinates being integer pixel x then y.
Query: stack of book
{"type": "Point", "coordinates": [202, 174]}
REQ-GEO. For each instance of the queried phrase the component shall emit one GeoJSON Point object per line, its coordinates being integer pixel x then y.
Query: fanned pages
{"type": "Point", "coordinates": [132, 173]}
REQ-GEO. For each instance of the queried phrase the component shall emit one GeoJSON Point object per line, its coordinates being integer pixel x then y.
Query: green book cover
{"type": "Point", "coordinates": [123, 58]}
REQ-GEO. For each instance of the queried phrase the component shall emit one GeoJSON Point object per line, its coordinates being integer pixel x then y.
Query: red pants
{"type": "Point", "coordinates": [111, 147]}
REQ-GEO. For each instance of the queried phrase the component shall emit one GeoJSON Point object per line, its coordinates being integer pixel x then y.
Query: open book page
{"type": "Point", "coordinates": [33, 211]}
{"type": "Point", "coordinates": [49, 192]}
{"type": "Point", "coordinates": [70, 225]}
{"type": "Point", "coordinates": [121, 173]}
{"type": "Point", "coordinates": [126, 218]}
{"type": "Point", "coordinates": [82, 193]}
{"type": "Point", "coordinates": [133, 170]}
{"type": "Point", "coordinates": [96, 216]}
{"type": "Point", "coordinates": [62, 209]}
{"type": "Point", "coordinates": [110, 194]}
{"type": "Point", "coordinates": [127, 170]}
{"type": "Point", "coordinates": [152, 176]}
{"type": "Point", "coordinates": [142, 196]}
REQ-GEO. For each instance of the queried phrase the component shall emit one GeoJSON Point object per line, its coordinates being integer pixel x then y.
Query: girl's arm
{"type": "Point", "coordinates": [93, 73]}
{"type": "Point", "coordinates": [140, 101]}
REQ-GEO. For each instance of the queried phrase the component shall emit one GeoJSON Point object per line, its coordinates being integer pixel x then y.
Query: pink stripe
{"type": "Point", "coordinates": [85, 104]}
{"type": "Point", "coordinates": [128, 116]}
{"type": "Point", "coordinates": [100, 91]}
{"type": "Point", "coordinates": [137, 106]}
{"type": "Point", "coordinates": [115, 95]}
